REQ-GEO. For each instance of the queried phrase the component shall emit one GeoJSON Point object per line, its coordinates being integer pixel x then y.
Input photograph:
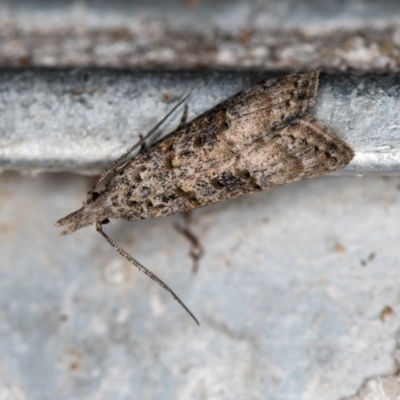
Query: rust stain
{"type": "Point", "coordinates": [339, 248]}
{"type": "Point", "coordinates": [75, 360]}
{"type": "Point", "coordinates": [385, 313]}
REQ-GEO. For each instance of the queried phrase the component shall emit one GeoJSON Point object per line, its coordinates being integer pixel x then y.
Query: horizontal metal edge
{"type": "Point", "coordinates": [80, 120]}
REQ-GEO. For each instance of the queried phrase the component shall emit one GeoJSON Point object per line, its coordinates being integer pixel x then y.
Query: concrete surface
{"type": "Point", "coordinates": [297, 296]}
{"type": "Point", "coordinates": [274, 34]}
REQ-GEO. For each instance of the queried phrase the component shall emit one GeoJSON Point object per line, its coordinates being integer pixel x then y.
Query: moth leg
{"type": "Point", "coordinates": [121, 160]}
{"type": "Point", "coordinates": [156, 135]}
{"type": "Point", "coordinates": [184, 116]}
{"type": "Point", "coordinates": [196, 250]}
{"type": "Point", "coordinates": [143, 147]}
{"type": "Point", "coordinates": [140, 267]}
{"type": "Point", "coordinates": [182, 122]}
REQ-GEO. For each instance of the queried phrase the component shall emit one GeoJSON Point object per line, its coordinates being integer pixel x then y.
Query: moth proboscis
{"type": "Point", "coordinates": [257, 139]}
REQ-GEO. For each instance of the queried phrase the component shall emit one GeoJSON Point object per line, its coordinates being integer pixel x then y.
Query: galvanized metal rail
{"type": "Point", "coordinates": [81, 119]}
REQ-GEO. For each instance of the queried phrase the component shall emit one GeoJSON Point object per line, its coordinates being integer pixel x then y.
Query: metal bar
{"type": "Point", "coordinates": [81, 120]}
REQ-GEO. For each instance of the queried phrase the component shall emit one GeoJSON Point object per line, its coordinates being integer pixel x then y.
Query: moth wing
{"type": "Point", "coordinates": [284, 96]}
{"type": "Point", "coordinates": [303, 149]}
{"type": "Point", "coordinates": [248, 115]}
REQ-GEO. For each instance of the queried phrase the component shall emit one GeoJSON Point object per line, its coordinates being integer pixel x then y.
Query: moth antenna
{"type": "Point", "coordinates": [132, 148]}
{"type": "Point", "coordinates": [143, 269]}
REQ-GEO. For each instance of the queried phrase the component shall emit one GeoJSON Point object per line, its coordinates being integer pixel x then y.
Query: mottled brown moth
{"type": "Point", "coordinates": [257, 139]}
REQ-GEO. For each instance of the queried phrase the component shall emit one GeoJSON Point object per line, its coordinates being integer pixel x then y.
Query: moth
{"type": "Point", "coordinates": [257, 139]}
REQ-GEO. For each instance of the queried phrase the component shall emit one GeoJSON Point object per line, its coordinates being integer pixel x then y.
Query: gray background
{"type": "Point", "coordinates": [298, 291]}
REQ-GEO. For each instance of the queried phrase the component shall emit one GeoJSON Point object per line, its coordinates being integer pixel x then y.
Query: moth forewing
{"type": "Point", "coordinates": [257, 139]}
